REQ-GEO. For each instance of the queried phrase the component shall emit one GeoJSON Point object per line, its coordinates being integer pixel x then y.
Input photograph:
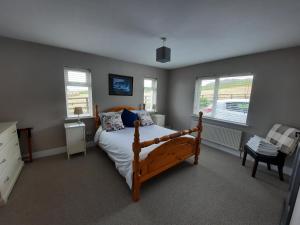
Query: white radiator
{"type": "Point", "coordinates": [230, 138]}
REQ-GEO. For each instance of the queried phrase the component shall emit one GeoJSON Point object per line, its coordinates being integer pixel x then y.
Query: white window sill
{"type": "Point", "coordinates": [80, 117]}
{"type": "Point", "coordinates": [222, 121]}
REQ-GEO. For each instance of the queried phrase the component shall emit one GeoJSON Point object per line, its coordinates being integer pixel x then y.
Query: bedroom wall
{"type": "Point", "coordinates": [275, 95]}
{"type": "Point", "coordinates": [32, 87]}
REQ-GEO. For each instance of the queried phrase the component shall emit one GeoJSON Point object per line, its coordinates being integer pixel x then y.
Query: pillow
{"type": "Point", "coordinates": [145, 118]}
{"type": "Point", "coordinates": [111, 121]}
{"type": "Point", "coordinates": [128, 118]}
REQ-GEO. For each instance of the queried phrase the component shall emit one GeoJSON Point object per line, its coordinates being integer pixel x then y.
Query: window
{"type": "Point", "coordinates": [224, 98]}
{"type": "Point", "coordinates": [150, 90]}
{"type": "Point", "coordinates": [78, 90]}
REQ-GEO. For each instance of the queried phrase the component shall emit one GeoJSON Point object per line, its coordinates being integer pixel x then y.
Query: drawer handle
{"type": "Point", "coordinates": [6, 180]}
{"type": "Point", "coordinates": [19, 158]}
{"type": "Point", "coordinates": [3, 161]}
{"type": "Point", "coordinates": [17, 144]}
{"type": "Point", "coordinates": [14, 131]}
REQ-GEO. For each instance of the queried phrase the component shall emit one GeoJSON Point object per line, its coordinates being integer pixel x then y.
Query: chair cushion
{"type": "Point", "coordinates": [284, 137]}
{"type": "Point", "coordinates": [128, 118]}
{"type": "Point", "coordinates": [262, 146]}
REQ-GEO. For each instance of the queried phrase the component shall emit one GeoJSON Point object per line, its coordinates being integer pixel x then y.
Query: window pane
{"type": "Point", "coordinates": [150, 94]}
{"type": "Point", "coordinates": [147, 83]}
{"type": "Point", "coordinates": [207, 96]}
{"type": "Point", "coordinates": [77, 97]}
{"type": "Point", "coordinates": [233, 98]}
{"type": "Point", "coordinates": [76, 76]}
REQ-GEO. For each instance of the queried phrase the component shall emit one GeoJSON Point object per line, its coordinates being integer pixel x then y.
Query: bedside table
{"type": "Point", "coordinates": [159, 119]}
{"type": "Point", "coordinates": [75, 138]}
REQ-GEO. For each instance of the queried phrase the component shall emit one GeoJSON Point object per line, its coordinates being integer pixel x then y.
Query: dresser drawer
{"type": "Point", "coordinates": [8, 151]}
{"type": "Point", "coordinates": [6, 135]}
{"type": "Point", "coordinates": [9, 173]}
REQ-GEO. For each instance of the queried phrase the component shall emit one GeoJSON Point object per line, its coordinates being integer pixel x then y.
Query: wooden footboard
{"type": "Point", "coordinates": [176, 149]}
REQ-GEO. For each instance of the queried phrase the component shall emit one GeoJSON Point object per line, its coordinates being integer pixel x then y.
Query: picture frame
{"type": "Point", "coordinates": [120, 85]}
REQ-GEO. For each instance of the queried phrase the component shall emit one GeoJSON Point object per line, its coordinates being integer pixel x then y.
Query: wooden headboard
{"type": "Point", "coordinates": [113, 109]}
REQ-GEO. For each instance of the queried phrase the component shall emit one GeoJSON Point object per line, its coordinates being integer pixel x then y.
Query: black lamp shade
{"type": "Point", "coordinates": [163, 54]}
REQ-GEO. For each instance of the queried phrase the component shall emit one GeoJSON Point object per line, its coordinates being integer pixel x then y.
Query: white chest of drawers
{"type": "Point", "coordinates": [159, 119]}
{"type": "Point", "coordinates": [10, 159]}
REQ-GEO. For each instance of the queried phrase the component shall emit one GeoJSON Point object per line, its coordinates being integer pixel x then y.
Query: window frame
{"type": "Point", "coordinates": [154, 96]}
{"type": "Point", "coordinates": [88, 84]}
{"type": "Point", "coordinates": [215, 98]}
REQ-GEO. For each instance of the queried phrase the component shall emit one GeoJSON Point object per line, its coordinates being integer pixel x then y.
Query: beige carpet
{"type": "Point", "coordinates": [89, 191]}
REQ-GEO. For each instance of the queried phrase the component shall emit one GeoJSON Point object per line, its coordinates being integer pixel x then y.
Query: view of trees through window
{"type": "Point", "coordinates": [225, 98]}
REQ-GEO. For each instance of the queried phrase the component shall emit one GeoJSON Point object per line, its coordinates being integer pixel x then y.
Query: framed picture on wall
{"type": "Point", "coordinates": [120, 85]}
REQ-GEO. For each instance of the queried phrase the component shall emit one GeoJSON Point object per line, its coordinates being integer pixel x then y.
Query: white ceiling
{"type": "Point", "coordinates": [130, 30]}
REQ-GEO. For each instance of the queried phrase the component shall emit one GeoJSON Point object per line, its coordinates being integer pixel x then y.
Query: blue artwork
{"type": "Point", "coordinates": [120, 85]}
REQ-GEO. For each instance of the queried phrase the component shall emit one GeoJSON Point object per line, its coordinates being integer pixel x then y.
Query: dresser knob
{"type": "Point", "coordinates": [1, 144]}
{"type": "Point", "coordinates": [14, 131]}
{"type": "Point", "coordinates": [3, 161]}
{"type": "Point", "coordinates": [17, 143]}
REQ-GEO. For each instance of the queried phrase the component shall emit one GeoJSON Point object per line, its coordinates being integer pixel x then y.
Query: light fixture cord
{"type": "Point", "coordinates": [164, 39]}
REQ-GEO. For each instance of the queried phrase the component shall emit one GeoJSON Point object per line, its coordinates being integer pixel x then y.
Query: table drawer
{"type": "Point", "coordinates": [11, 149]}
{"type": "Point", "coordinates": [6, 135]}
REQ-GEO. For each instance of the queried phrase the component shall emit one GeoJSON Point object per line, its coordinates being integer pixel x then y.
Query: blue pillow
{"type": "Point", "coordinates": [128, 118]}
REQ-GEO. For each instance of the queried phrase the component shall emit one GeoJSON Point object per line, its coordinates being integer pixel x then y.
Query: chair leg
{"type": "Point", "coordinates": [269, 166]}
{"type": "Point", "coordinates": [280, 171]}
{"type": "Point", "coordinates": [244, 157]}
{"type": "Point", "coordinates": [254, 168]}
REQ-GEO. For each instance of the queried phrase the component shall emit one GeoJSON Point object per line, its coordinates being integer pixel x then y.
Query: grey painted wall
{"type": "Point", "coordinates": [32, 87]}
{"type": "Point", "coordinates": [275, 94]}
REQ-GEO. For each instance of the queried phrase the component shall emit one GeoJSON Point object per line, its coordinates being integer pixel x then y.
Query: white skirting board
{"type": "Point", "coordinates": [63, 149]}
{"type": "Point", "coordinates": [286, 170]}
{"type": "Point", "coordinates": [55, 151]}
{"type": "Point", "coordinates": [49, 152]}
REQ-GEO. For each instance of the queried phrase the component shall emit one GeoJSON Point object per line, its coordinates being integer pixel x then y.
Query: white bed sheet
{"type": "Point", "coordinates": [118, 146]}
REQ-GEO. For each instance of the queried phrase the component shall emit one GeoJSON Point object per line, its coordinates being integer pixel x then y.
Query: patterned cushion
{"type": "Point", "coordinates": [284, 137]}
{"type": "Point", "coordinates": [145, 118]}
{"type": "Point", "coordinates": [111, 121]}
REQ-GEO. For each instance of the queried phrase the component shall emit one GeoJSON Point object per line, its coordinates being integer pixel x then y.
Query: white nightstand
{"type": "Point", "coordinates": [75, 138]}
{"type": "Point", "coordinates": [159, 119]}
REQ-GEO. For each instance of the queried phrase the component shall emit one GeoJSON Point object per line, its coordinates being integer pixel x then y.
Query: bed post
{"type": "Point", "coordinates": [136, 147]}
{"type": "Point", "coordinates": [97, 118]}
{"type": "Point", "coordinates": [198, 138]}
{"type": "Point", "coordinates": [142, 106]}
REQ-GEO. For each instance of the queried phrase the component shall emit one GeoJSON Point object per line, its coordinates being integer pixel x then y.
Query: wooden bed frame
{"type": "Point", "coordinates": [174, 150]}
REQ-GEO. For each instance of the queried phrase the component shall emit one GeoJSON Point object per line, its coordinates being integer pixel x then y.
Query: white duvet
{"type": "Point", "coordinates": [118, 146]}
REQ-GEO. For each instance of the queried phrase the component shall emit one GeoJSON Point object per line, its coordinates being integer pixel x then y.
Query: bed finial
{"type": "Point", "coordinates": [142, 106]}
{"type": "Point", "coordinates": [198, 138]}
{"type": "Point", "coordinates": [136, 162]}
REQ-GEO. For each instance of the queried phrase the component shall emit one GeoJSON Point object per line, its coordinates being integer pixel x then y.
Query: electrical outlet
{"type": "Point", "coordinates": [89, 136]}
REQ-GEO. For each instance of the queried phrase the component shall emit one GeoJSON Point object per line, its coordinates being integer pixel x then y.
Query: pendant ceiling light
{"type": "Point", "coordinates": [163, 54]}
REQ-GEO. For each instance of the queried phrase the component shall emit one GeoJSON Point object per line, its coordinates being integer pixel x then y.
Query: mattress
{"type": "Point", "coordinates": [118, 146]}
